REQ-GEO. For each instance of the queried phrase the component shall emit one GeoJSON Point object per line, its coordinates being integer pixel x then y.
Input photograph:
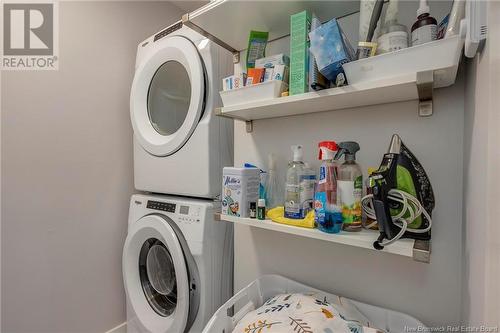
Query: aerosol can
{"type": "Point", "coordinates": [349, 186]}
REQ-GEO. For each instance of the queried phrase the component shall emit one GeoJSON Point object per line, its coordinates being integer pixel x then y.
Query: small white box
{"type": "Point", "coordinates": [240, 186]}
{"type": "Point", "coordinates": [255, 92]}
{"type": "Point", "coordinates": [280, 72]}
{"type": "Point", "coordinates": [271, 61]}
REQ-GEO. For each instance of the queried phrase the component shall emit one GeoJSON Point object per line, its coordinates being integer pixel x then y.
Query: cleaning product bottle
{"type": "Point", "coordinates": [424, 30]}
{"type": "Point", "coordinates": [306, 189]}
{"type": "Point", "coordinates": [274, 197]}
{"type": "Point", "coordinates": [328, 216]}
{"type": "Point", "coordinates": [293, 209]}
{"type": "Point", "coordinates": [393, 35]}
{"type": "Point", "coordinates": [349, 186]}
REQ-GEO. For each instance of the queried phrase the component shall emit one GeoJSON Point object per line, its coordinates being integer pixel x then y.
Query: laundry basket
{"type": "Point", "coordinates": [267, 286]}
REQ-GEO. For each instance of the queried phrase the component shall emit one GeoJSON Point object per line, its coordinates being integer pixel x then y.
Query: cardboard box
{"type": "Point", "coordinates": [271, 61]}
{"type": "Point", "coordinates": [255, 75]}
{"type": "Point", "coordinates": [280, 72]}
{"type": "Point", "coordinates": [300, 25]}
{"type": "Point", "coordinates": [331, 49]}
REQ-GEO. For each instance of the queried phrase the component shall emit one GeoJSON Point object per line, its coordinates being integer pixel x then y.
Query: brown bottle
{"type": "Point", "coordinates": [424, 30]}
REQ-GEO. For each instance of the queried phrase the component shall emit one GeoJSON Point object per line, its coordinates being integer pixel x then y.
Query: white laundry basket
{"type": "Point", "coordinates": [267, 286]}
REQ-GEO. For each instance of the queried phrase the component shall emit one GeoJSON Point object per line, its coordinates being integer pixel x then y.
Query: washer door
{"type": "Point", "coordinates": [168, 96]}
{"type": "Point", "coordinates": [156, 276]}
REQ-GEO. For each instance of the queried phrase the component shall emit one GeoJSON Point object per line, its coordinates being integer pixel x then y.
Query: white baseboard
{"type": "Point", "coordinates": [122, 328]}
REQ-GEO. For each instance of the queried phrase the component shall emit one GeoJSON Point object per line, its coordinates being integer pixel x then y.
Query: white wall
{"type": "Point", "coordinates": [430, 292]}
{"type": "Point", "coordinates": [67, 172]}
{"type": "Point", "coordinates": [481, 304]}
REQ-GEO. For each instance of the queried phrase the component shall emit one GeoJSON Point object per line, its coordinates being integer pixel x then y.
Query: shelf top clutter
{"type": "Point", "coordinates": [273, 16]}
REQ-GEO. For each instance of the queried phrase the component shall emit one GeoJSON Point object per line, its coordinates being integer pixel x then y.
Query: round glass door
{"type": "Point", "coordinates": [169, 97]}
{"type": "Point", "coordinates": [157, 275]}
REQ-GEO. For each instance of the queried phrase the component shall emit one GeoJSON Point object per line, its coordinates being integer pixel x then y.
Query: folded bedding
{"type": "Point", "coordinates": [314, 312]}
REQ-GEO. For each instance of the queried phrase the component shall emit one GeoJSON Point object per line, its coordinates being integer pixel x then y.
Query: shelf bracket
{"type": "Point", "coordinates": [186, 20]}
{"type": "Point", "coordinates": [248, 123]}
{"type": "Point", "coordinates": [425, 87]}
{"type": "Point", "coordinates": [249, 126]}
{"type": "Point", "coordinates": [422, 251]}
{"type": "Point", "coordinates": [236, 57]}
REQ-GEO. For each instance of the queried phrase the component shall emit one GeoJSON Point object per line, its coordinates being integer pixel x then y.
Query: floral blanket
{"type": "Point", "coordinates": [305, 313]}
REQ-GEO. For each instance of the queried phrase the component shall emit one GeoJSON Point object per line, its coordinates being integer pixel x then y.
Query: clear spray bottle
{"type": "Point", "coordinates": [349, 186]}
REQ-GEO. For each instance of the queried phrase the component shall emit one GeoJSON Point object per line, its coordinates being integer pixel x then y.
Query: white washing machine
{"type": "Point", "coordinates": [180, 146]}
{"type": "Point", "coordinates": [177, 264]}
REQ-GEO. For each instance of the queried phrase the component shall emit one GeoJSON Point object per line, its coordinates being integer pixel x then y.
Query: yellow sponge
{"type": "Point", "coordinates": [277, 215]}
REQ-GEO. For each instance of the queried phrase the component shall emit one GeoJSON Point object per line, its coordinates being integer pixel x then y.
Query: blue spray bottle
{"type": "Point", "coordinates": [328, 216]}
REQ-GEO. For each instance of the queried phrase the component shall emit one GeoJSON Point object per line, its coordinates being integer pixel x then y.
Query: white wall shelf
{"type": "Point", "coordinates": [272, 16]}
{"type": "Point", "coordinates": [418, 250]}
{"type": "Point", "coordinates": [398, 89]}
{"type": "Point", "coordinates": [408, 74]}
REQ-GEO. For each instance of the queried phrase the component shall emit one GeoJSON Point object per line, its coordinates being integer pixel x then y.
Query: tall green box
{"type": "Point", "coordinates": [300, 25]}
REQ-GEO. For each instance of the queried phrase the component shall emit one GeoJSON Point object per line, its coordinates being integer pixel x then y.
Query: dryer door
{"type": "Point", "coordinates": [156, 277]}
{"type": "Point", "coordinates": [168, 95]}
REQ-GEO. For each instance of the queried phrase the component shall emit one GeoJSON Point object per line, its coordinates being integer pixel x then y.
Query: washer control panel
{"type": "Point", "coordinates": [184, 213]}
{"type": "Point", "coordinates": [163, 206]}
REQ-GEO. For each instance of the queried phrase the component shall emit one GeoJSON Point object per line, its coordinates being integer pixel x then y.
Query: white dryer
{"type": "Point", "coordinates": [177, 264]}
{"type": "Point", "coordinates": [180, 146]}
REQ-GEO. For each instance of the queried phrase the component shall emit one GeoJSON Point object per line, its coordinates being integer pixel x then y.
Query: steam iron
{"type": "Point", "coordinates": [402, 199]}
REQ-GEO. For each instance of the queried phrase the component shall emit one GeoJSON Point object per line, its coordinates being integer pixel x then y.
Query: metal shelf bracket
{"type": "Point", "coordinates": [249, 126]}
{"type": "Point", "coordinates": [425, 87]}
{"type": "Point", "coordinates": [422, 251]}
{"type": "Point", "coordinates": [248, 123]}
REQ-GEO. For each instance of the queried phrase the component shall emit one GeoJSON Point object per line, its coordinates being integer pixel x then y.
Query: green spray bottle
{"type": "Point", "coordinates": [349, 186]}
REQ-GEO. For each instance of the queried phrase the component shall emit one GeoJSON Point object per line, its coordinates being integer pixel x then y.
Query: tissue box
{"type": "Point", "coordinates": [331, 49]}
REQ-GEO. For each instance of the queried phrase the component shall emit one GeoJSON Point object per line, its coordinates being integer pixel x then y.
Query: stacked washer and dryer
{"type": "Point", "coordinates": [177, 261]}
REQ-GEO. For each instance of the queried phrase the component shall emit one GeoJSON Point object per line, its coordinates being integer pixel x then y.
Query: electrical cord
{"type": "Point", "coordinates": [412, 208]}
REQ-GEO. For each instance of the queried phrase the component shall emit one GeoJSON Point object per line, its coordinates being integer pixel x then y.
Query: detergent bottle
{"type": "Point", "coordinates": [293, 206]}
{"type": "Point", "coordinates": [349, 186]}
{"type": "Point", "coordinates": [328, 216]}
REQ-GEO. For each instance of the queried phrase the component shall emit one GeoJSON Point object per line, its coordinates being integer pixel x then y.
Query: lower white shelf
{"type": "Point", "coordinates": [418, 250]}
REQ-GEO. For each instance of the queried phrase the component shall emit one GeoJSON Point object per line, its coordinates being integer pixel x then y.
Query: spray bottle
{"type": "Point", "coordinates": [328, 216]}
{"type": "Point", "coordinates": [293, 207]}
{"type": "Point", "coordinates": [349, 186]}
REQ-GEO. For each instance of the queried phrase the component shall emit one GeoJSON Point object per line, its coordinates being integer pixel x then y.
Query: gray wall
{"type": "Point", "coordinates": [481, 301]}
{"type": "Point", "coordinates": [67, 172]}
{"type": "Point", "coordinates": [430, 292]}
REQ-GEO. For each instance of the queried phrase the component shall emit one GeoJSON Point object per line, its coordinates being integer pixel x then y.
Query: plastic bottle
{"type": "Point", "coordinates": [306, 189]}
{"type": "Point", "coordinates": [328, 216]}
{"type": "Point", "coordinates": [349, 186]}
{"type": "Point", "coordinates": [292, 188]}
{"type": "Point", "coordinates": [261, 209]}
{"type": "Point", "coordinates": [393, 35]}
{"type": "Point", "coordinates": [424, 30]}
{"type": "Point", "coordinates": [274, 197]}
